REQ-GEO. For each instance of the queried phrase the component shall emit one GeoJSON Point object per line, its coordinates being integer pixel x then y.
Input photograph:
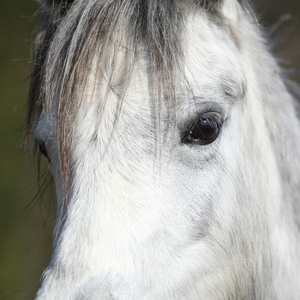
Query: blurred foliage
{"type": "Point", "coordinates": [25, 241]}
{"type": "Point", "coordinates": [284, 16]}
{"type": "Point", "coordinates": [26, 221]}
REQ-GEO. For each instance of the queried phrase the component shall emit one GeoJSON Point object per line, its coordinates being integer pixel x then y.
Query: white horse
{"type": "Point", "coordinates": [174, 144]}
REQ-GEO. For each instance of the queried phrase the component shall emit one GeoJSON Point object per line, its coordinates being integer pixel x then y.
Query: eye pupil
{"type": "Point", "coordinates": [204, 131]}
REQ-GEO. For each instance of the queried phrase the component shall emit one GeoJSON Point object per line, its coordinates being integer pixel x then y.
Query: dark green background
{"type": "Point", "coordinates": [25, 234]}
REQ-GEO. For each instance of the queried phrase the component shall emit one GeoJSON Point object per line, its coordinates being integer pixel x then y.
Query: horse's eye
{"type": "Point", "coordinates": [204, 131]}
{"type": "Point", "coordinates": [43, 150]}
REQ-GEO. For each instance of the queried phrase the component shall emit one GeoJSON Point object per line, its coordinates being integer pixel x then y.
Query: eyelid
{"type": "Point", "coordinates": [43, 130]}
{"type": "Point", "coordinates": [205, 109]}
{"type": "Point", "coordinates": [218, 116]}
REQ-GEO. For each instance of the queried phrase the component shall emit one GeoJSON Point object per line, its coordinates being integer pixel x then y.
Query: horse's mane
{"type": "Point", "coordinates": [71, 32]}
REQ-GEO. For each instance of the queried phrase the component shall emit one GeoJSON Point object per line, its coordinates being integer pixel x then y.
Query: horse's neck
{"type": "Point", "coordinates": [283, 209]}
{"type": "Point", "coordinates": [286, 227]}
{"type": "Point", "coordinates": [272, 119]}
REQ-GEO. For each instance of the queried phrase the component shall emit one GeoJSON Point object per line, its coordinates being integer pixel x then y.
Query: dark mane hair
{"type": "Point", "coordinates": [71, 32]}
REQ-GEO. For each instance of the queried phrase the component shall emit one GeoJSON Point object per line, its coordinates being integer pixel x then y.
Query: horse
{"type": "Point", "coordinates": [173, 139]}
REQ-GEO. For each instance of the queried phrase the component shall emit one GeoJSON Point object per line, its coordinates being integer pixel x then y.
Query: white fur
{"type": "Point", "coordinates": [200, 222]}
